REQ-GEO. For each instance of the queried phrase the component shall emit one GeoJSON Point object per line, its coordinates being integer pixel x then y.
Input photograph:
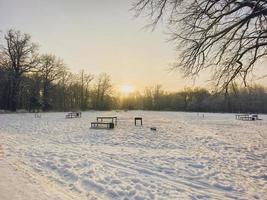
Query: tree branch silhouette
{"type": "Point", "coordinates": [227, 36]}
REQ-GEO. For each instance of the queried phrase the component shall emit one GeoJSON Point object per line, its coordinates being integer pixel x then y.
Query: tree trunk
{"type": "Point", "coordinates": [14, 92]}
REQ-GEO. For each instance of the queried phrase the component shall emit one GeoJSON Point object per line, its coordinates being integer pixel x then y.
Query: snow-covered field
{"type": "Point", "coordinates": [188, 157]}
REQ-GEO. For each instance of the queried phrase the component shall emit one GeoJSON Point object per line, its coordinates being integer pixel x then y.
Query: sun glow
{"type": "Point", "coordinates": [126, 89]}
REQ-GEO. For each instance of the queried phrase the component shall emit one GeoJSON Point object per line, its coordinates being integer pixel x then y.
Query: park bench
{"type": "Point", "coordinates": [107, 125]}
{"type": "Point", "coordinates": [74, 115]}
{"type": "Point", "coordinates": [247, 117]}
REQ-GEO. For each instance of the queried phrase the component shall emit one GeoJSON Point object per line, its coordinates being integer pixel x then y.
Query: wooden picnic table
{"type": "Point", "coordinates": [113, 119]}
{"type": "Point", "coordinates": [247, 117]}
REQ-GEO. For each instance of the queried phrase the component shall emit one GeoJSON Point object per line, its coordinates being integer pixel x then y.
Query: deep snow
{"type": "Point", "coordinates": [188, 157]}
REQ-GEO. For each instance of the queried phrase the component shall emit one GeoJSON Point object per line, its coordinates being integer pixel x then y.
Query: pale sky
{"type": "Point", "coordinates": [97, 36]}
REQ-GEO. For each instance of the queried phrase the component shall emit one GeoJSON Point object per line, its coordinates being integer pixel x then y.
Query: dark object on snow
{"type": "Point", "coordinates": [153, 128]}
{"type": "Point", "coordinates": [107, 125]}
{"type": "Point", "coordinates": [138, 119]}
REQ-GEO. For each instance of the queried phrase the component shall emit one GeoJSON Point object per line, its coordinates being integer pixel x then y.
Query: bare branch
{"type": "Point", "coordinates": [228, 36]}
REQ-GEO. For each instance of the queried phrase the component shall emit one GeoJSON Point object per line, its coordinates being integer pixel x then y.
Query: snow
{"type": "Point", "coordinates": [188, 157]}
{"type": "Point", "coordinates": [16, 182]}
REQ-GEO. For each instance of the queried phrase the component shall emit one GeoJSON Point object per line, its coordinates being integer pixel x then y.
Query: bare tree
{"type": "Point", "coordinates": [51, 70]}
{"type": "Point", "coordinates": [18, 57]}
{"type": "Point", "coordinates": [157, 94]}
{"type": "Point", "coordinates": [228, 36]}
{"type": "Point", "coordinates": [85, 79]}
{"type": "Point", "coordinates": [103, 89]}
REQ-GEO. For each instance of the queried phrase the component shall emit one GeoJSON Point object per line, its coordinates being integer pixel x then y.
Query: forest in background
{"type": "Point", "coordinates": [33, 81]}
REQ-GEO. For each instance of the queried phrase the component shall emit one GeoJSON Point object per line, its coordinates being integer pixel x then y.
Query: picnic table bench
{"type": "Point", "coordinates": [113, 119]}
{"type": "Point", "coordinates": [108, 125]}
{"type": "Point", "coordinates": [74, 115]}
{"type": "Point", "coordinates": [247, 117]}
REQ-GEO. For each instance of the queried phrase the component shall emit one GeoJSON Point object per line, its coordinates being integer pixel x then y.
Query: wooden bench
{"type": "Point", "coordinates": [247, 117]}
{"type": "Point", "coordinates": [240, 116]}
{"type": "Point", "coordinates": [74, 115]}
{"type": "Point", "coordinates": [107, 125]}
{"type": "Point", "coordinates": [113, 119]}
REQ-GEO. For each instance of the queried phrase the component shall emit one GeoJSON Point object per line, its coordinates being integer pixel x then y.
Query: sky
{"type": "Point", "coordinates": [98, 36]}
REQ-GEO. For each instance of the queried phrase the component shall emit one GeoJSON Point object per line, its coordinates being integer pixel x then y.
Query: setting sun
{"type": "Point", "coordinates": [126, 89]}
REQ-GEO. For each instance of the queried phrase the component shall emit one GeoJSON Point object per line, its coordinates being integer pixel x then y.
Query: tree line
{"type": "Point", "coordinates": [234, 99]}
{"type": "Point", "coordinates": [33, 81]}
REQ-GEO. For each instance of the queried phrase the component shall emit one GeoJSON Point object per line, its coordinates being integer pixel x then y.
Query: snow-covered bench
{"type": "Point", "coordinates": [247, 117]}
{"type": "Point", "coordinates": [74, 115]}
{"type": "Point", "coordinates": [108, 125]}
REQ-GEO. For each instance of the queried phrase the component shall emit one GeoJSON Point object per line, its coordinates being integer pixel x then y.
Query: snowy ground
{"type": "Point", "coordinates": [188, 157]}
